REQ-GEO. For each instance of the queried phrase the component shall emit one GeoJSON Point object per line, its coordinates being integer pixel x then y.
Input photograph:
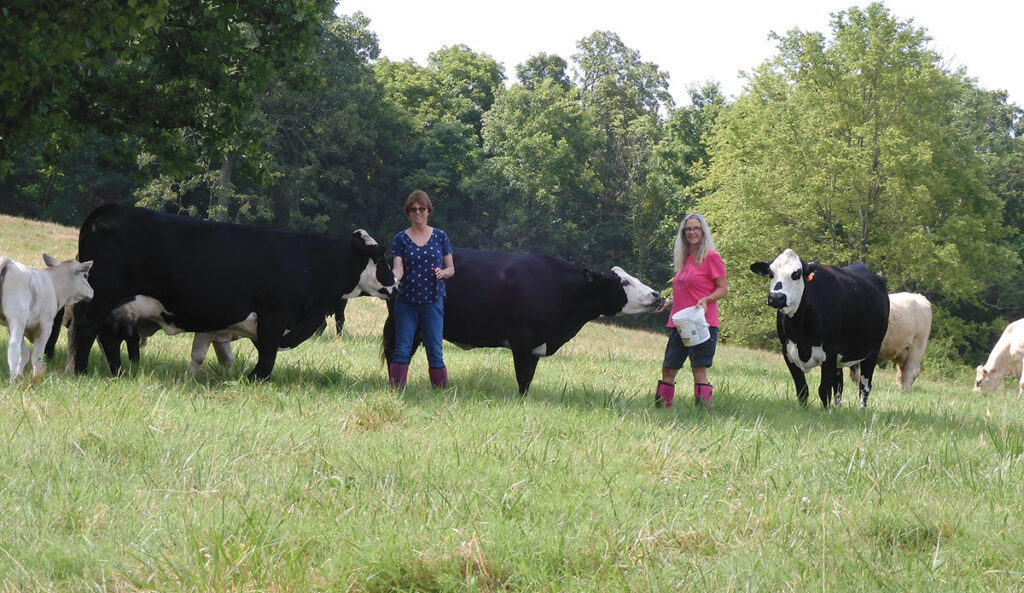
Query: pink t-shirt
{"type": "Point", "coordinates": [695, 282]}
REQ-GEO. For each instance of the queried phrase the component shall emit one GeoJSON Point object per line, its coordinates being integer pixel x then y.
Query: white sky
{"type": "Point", "coordinates": [692, 41]}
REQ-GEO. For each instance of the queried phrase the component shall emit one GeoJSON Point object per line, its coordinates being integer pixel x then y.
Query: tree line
{"type": "Point", "coordinates": [856, 145]}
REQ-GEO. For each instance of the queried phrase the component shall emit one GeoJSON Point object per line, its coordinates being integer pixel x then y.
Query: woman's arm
{"type": "Point", "coordinates": [449, 268]}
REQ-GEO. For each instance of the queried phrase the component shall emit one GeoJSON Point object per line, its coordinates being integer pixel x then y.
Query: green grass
{"type": "Point", "coordinates": [324, 479]}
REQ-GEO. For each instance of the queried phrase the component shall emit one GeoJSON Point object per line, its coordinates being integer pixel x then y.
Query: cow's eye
{"type": "Point", "coordinates": [625, 282]}
{"type": "Point", "coordinates": [796, 275]}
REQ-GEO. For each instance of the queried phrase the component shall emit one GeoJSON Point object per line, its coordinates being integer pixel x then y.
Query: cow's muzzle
{"type": "Point", "coordinates": [776, 300]}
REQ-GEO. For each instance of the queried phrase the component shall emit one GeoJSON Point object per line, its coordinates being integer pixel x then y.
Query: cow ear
{"type": "Point", "coordinates": [589, 275]}
{"type": "Point", "coordinates": [810, 268]}
{"type": "Point", "coordinates": [760, 268]}
{"type": "Point", "coordinates": [49, 261]}
{"type": "Point", "coordinates": [86, 265]}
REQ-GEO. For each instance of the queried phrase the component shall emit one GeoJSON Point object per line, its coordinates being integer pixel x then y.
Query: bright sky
{"type": "Point", "coordinates": [692, 41]}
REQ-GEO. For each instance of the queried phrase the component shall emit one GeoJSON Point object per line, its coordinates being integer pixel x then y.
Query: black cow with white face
{"type": "Point", "coordinates": [829, 317]}
{"type": "Point", "coordinates": [272, 286]}
{"type": "Point", "coordinates": [531, 304]}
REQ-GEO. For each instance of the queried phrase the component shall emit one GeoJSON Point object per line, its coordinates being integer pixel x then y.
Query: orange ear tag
{"type": "Point", "coordinates": [810, 276]}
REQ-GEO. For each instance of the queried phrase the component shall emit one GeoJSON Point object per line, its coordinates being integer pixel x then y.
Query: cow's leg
{"type": "Point", "coordinates": [910, 368]}
{"type": "Point", "coordinates": [829, 371]}
{"type": "Point", "coordinates": [799, 381]}
{"type": "Point", "coordinates": [84, 328]}
{"type": "Point", "coordinates": [15, 348]}
{"type": "Point", "coordinates": [38, 350]}
{"type": "Point", "coordinates": [526, 365]}
{"type": "Point", "coordinates": [225, 355]}
{"type": "Point", "coordinates": [269, 331]}
{"type": "Point", "coordinates": [200, 346]}
{"type": "Point", "coordinates": [51, 341]}
{"type": "Point", "coordinates": [867, 372]}
{"type": "Point", "coordinates": [837, 398]}
{"type": "Point", "coordinates": [339, 315]}
{"type": "Point", "coordinates": [133, 343]}
{"type": "Point", "coordinates": [110, 345]}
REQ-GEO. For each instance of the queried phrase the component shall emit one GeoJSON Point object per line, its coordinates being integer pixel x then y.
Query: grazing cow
{"type": "Point", "coordinates": [29, 300]}
{"type": "Point", "coordinates": [531, 304]}
{"type": "Point", "coordinates": [910, 323]}
{"type": "Point", "coordinates": [269, 285]}
{"type": "Point", "coordinates": [829, 317]}
{"type": "Point", "coordinates": [1005, 359]}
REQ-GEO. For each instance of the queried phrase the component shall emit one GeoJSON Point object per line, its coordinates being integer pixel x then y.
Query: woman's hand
{"type": "Point", "coordinates": [665, 306]}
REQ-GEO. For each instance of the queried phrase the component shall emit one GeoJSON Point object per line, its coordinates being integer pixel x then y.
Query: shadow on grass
{"type": "Point", "coordinates": [746, 394]}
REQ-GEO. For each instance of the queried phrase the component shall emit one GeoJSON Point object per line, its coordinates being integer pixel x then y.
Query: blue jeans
{"type": "Point", "coordinates": [429, 318]}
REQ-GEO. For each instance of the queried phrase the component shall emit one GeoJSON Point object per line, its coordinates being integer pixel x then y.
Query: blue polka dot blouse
{"type": "Point", "coordinates": [419, 285]}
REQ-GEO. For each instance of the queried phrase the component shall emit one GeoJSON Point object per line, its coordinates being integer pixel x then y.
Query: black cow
{"type": "Point", "coordinates": [827, 316]}
{"type": "Point", "coordinates": [270, 285]}
{"type": "Point", "coordinates": [531, 304]}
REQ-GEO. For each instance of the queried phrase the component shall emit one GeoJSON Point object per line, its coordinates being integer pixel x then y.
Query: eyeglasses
{"type": "Point", "coordinates": [416, 209]}
{"type": "Point", "coordinates": [695, 229]}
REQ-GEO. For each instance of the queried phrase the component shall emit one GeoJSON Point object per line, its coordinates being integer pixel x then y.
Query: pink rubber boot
{"type": "Point", "coordinates": [664, 395]}
{"type": "Point", "coordinates": [439, 377]}
{"type": "Point", "coordinates": [702, 394]}
{"type": "Point", "coordinates": [397, 374]}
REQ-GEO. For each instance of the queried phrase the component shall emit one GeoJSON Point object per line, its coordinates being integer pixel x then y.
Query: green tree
{"type": "Point", "coordinates": [543, 67]}
{"type": "Point", "coordinates": [624, 97]}
{"type": "Point", "coordinates": [678, 163]}
{"type": "Point", "coordinates": [159, 70]}
{"type": "Point", "coordinates": [540, 141]}
{"type": "Point", "coordinates": [844, 150]}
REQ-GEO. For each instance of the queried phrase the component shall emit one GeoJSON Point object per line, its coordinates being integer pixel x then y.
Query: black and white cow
{"type": "Point", "coordinates": [829, 317]}
{"type": "Point", "coordinates": [531, 304]}
{"type": "Point", "coordinates": [270, 285]}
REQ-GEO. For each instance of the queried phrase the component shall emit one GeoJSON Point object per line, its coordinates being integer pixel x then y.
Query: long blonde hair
{"type": "Point", "coordinates": [682, 247]}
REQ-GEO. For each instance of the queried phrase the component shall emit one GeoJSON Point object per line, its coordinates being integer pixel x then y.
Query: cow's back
{"type": "Point", "coordinates": [493, 291]}
{"type": "Point", "coordinates": [208, 273]}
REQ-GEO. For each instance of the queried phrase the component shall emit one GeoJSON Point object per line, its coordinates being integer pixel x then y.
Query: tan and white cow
{"type": "Point", "coordinates": [910, 324]}
{"type": "Point", "coordinates": [1005, 359]}
{"type": "Point", "coordinates": [29, 301]}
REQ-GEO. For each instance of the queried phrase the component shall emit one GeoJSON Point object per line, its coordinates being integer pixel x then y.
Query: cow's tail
{"type": "Point", "coordinates": [387, 344]}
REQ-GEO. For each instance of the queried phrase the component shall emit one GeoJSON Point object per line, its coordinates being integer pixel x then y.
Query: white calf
{"type": "Point", "coordinates": [910, 324]}
{"type": "Point", "coordinates": [1005, 359]}
{"type": "Point", "coordinates": [29, 300]}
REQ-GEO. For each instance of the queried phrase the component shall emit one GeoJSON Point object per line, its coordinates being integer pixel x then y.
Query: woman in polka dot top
{"type": "Point", "coordinates": [423, 260]}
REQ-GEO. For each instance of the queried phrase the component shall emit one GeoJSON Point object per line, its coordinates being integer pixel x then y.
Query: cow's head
{"type": "Point", "coordinates": [71, 279]}
{"type": "Point", "coordinates": [376, 279]}
{"type": "Point", "coordinates": [787, 275]}
{"type": "Point", "coordinates": [984, 379]}
{"type": "Point", "coordinates": [640, 298]}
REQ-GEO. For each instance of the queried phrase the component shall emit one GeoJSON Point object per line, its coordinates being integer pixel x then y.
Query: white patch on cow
{"type": "Point", "coordinates": [793, 355]}
{"type": "Point", "coordinates": [30, 299]}
{"type": "Point", "coordinates": [848, 363]}
{"type": "Point", "coordinates": [541, 350]}
{"type": "Point", "coordinates": [640, 298]}
{"type": "Point", "coordinates": [368, 283]}
{"type": "Point", "coordinates": [787, 281]}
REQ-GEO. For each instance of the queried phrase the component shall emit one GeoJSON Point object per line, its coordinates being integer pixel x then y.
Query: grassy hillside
{"type": "Point", "coordinates": [324, 479]}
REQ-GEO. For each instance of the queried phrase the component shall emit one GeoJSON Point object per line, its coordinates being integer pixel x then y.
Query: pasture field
{"type": "Point", "coordinates": [324, 479]}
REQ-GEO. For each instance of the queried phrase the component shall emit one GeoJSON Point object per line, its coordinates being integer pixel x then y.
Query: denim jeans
{"type": "Point", "coordinates": [429, 318]}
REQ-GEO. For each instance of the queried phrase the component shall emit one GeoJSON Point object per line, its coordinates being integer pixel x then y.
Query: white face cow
{"type": "Point", "coordinates": [787, 274]}
{"type": "Point", "coordinates": [640, 298]}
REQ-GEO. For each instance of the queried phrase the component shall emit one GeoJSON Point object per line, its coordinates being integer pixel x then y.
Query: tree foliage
{"type": "Point", "coordinates": [845, 150]}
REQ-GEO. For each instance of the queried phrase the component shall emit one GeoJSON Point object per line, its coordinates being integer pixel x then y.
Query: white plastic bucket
{"type": "Point", "coordinates": [692, 326]}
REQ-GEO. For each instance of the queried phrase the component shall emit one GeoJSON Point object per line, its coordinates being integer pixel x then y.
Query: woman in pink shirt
{"type": "Point", "coordinates": [699, 281]}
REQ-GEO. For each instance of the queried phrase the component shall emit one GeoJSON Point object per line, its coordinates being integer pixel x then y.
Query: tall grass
{"type": "Point", "coordinates": [324, 479]}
